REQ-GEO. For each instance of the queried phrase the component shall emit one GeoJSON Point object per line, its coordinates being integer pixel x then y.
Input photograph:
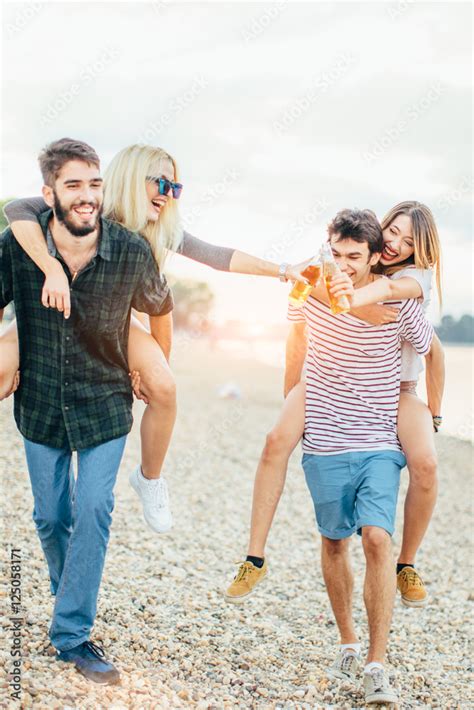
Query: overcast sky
{"type": "Point", "coordinates": [279, 114]}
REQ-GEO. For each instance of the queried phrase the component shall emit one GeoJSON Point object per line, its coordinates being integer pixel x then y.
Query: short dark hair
{"type": "Point", "coordinates": [58, 153]}
{"type": "Point", "coordinates": [359, 225]}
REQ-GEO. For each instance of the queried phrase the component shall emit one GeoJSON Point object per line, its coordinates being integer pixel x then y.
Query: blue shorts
{"type": "Point", "coordinates": [353, 490]}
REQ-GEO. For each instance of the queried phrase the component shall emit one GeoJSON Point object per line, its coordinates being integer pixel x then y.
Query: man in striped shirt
{"type": "Point", "coordinates": [351, 455]}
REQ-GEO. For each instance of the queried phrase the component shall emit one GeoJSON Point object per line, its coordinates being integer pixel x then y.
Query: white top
{"type": "Point", "coordinates": [353, 376]}
{"type": "Point", "coordinates": [412, 363]}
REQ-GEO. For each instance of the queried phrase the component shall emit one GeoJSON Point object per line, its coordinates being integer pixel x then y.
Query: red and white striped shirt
{"type": "Point", "coordinates": [353, 376]}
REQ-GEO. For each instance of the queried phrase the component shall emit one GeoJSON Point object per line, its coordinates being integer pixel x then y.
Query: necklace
{"type": "Point", "coordinates": [75, 269]}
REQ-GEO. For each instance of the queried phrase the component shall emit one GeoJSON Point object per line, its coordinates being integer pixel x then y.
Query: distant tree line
{"type": "Point", "coordinates": [451, 330]}
{"type": "Point", "coordinates": [193, 301]}
{"type": "Point", "coordinates": [3, 219]}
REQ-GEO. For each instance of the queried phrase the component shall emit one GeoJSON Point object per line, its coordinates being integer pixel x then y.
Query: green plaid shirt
{"type": "Point", "coordinates": [74, 386]}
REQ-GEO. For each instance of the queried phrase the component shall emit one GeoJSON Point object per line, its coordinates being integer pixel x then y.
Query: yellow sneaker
{"type": "Point", "coordinates": [245, 582]}
{"type": "Point", "coordinates": [411, 587]}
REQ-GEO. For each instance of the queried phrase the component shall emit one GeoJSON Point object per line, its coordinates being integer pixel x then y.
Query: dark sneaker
{"type": "Point", "coordinates": [89, 660]}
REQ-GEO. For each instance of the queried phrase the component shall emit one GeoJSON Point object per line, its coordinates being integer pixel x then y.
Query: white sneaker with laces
{"type": "Point", "coordinates": [153, 493]}
{"type": "Point", "coordinates": [377, 687]}
{"type": "Point", "coordinates": [346, 666]}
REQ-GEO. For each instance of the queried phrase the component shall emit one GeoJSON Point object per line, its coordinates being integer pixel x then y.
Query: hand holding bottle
{"type": "Point", "coordinates": [300, 290]}
{"type": "Point", "coordinates": [295, 272]}
{"type": "Point", "coordinates": [341, 303]}
{"type": "Point", "coordinates": [341, 285]}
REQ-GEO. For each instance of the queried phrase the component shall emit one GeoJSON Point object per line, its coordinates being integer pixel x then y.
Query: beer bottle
{"type": "Point", "coordinates": [330, 268]}
{"type": "Point", "coordinates": [300, 291]}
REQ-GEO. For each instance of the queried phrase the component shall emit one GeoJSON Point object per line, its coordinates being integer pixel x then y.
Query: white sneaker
{"type": "Point", "coordinates": [377, 687]}
{"type": "Point", "coordinates": [153, 493]}
{"type": "Point", "coordinates": [345, 667]}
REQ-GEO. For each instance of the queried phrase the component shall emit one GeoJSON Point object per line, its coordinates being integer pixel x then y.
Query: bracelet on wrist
{"type": "Point", "coordinates": [282, 272]}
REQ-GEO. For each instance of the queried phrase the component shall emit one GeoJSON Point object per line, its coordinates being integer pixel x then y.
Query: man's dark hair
{"type": "Point", "coordinates": [56, 154]}
{"type": "Point", "coordinates": [359, 225]}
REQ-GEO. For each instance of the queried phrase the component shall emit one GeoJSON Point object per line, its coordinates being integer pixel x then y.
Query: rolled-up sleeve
{"type": "Point", "coordinates": [415, 327]}
{"type": "Point", "coordinates": [152, 294]}
{"type": "Point", "coordinates": [295, 314]}
{"type": "Point", "coordinates": [26, 209]}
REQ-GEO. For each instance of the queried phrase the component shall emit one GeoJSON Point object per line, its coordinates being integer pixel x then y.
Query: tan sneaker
{"type": "Point", "coordinates": [411, 587]}
{"type": "Point", "coordinates": [245, 581]}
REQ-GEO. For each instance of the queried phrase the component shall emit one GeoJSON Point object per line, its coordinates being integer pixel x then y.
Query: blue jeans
{"type": "Point", "coordinates": [73, 522]}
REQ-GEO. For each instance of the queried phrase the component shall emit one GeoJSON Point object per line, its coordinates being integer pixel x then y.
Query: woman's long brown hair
{"type": "Point", "coordinates": [427, 247]}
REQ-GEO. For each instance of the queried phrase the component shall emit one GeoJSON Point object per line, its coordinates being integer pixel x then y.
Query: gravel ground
{"type": "Point", "coordinates": [161, 614]}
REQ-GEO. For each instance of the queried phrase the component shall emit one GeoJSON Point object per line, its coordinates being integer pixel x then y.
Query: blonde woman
{"type": "Point", "coordinates": [412, 259]}
{"type": "Point", "coordinates": [141, 191]}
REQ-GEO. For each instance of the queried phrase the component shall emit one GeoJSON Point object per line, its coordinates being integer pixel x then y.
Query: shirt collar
{"type": "Point", "coordinates": [104, 248]}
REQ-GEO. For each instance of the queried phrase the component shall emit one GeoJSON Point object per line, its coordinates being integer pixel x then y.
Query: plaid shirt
{"type": "Point", "coordinates": [74, 388]}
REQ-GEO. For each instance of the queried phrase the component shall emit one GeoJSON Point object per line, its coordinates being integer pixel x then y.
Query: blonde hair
{"type": "Point", "coordinates": [427, 247]}
{"type": "Point", "coordinates": [126, 200]}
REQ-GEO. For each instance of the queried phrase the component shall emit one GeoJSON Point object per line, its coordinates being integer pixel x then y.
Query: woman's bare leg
{"type": "Point", "coordinates": [271, 470]}
{"type": "Point", "coordinates": [157, 384]}
{"type": "Point", "coordinates": [415, 431]}
{"type": "Point", "coordinates": [9, 360]}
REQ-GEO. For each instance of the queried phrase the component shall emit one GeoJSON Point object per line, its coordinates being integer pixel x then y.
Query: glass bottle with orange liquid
{"type": "Point", "coordinates": [330, 268]}
{"type": "Point", "coordinates": [300, 291]}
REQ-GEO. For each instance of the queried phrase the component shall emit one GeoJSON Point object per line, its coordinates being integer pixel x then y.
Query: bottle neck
{"type": "Point", "coordinates": [326, 252]}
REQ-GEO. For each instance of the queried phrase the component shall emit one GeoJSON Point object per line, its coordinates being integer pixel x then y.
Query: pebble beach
{"type": "Point", "coordinates": [162, 617]}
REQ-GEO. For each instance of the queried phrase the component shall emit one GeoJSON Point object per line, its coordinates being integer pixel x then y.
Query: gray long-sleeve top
{"type": "Point", "coordinates": [29, 208]}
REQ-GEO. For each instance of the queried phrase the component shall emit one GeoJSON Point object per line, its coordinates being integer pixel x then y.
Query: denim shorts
{"type": "Point", "coordinates": [354, 490]}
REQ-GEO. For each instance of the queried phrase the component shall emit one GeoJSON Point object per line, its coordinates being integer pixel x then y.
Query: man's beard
{"type": "Point", "coordinates": [62, 215]}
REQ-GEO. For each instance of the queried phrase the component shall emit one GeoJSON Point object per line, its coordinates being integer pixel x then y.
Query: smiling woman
{"type": "Point", "coordinates": [134, 200]}
{"type": "Point", "coordinates": [411, 238]}
{"type": "Point", "coordinates": [401, 240]}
